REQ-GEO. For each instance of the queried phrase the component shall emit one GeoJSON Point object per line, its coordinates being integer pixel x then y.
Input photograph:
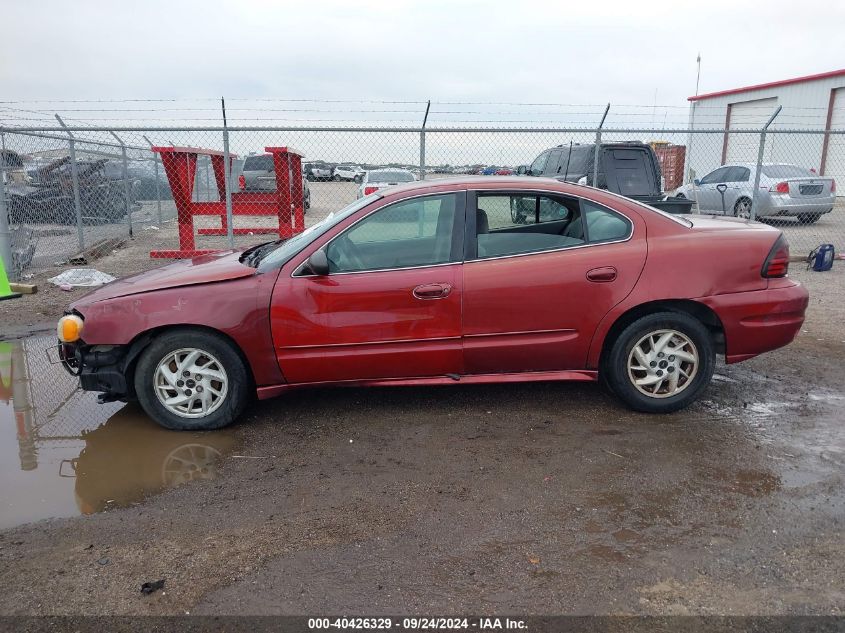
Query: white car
{"type": "Point", "coordinates": [785, 190]}
{"type": "Point", "coordinates": [376, 179]}
{"type": "Point", "coordinates": [348, 172]}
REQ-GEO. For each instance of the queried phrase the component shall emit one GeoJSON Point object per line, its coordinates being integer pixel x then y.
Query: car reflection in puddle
{"type": "Point", "coordinates": [63, 454]}
{"type": "Point", "coordinates": [130, 457]}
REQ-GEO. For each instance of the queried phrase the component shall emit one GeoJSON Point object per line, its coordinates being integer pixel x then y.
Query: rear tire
{"type": "Point", "coordinates": [661, 362]}
{"type": "Point", "coordinates": [337, 178]}
{"type": "Point", "coordinates": [212, 394]}
{"type": "Point", "coordinates": [809, 218]}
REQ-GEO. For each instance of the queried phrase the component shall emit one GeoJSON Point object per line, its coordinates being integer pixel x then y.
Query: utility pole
{"type": "Point", "coordinates": [698, 74]}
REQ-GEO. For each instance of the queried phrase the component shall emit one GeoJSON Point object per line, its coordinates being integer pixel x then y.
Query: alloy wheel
{"type": "Point", "coordinates": [190, 383]}
{"type": "Point", "coordinates": [663, 363]}
{"type": "Point", "coordinates": [743, 209]}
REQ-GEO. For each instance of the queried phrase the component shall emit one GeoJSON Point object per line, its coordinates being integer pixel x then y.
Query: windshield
{"type": "Point", "coordinates": [390, 176]}
{"type": "Point", "coordinates": [275, 254]}
{"type": "Point", "coordinates": [786, 171]}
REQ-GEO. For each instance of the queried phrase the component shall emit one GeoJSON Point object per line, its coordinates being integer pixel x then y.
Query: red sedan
{"type": "Point", "coordinates": [445, 282]}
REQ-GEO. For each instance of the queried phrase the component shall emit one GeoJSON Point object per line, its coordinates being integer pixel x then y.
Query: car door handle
{"type": "Point", "coordinates": [602, 274]}
{"type": "Point", "coordinates": [432, 291]}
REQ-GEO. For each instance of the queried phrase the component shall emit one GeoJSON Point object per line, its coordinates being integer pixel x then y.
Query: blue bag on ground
{"type": "Point", "coordinates": [821, 259]}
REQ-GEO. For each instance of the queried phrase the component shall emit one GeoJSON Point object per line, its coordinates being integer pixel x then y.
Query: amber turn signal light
{"type": "Point", "coordinates": [69, 328]}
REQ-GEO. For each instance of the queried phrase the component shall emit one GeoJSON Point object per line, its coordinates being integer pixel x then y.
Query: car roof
{"type": "Point", "coordinates": [524, 183]}
{"type": "Point", "coordinates": [499, 182]}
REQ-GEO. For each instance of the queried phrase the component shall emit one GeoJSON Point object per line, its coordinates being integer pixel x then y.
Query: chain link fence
{"type": "Point", "coordinates": [71, 191]}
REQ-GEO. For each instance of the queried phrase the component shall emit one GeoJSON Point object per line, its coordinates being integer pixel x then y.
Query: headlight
{"type": "Point", "coordinates": [69, 329]}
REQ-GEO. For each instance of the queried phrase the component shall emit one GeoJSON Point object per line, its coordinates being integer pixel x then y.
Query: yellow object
{"type": "Point", "coordinates": [69, 328]}
{"type": "Point", "coordinates": [5, 289]}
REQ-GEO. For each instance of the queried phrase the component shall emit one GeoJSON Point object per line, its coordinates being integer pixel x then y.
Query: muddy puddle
{"type": "Point", "coordinates": [62, 454]}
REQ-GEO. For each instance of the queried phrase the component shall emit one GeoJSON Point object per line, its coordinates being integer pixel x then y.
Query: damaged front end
{"type": "Point", "coordinates": [101, 368]}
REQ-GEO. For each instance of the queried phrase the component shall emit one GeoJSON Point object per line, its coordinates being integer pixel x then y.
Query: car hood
{"type": "Point", "coordinates": [218, 266]}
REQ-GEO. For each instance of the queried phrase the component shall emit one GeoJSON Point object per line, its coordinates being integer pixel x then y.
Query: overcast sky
{"type": "Point", "coordinates": [487, 51]}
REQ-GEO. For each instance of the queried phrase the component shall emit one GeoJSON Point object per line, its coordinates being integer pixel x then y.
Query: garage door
{"type": "Point", "coordinates": [834, 164]}
{"type": "Point", "coordinates": [743, 148]}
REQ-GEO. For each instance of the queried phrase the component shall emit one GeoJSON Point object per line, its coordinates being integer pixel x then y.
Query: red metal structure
{"type": "Point", "coordinates": [286, 203]}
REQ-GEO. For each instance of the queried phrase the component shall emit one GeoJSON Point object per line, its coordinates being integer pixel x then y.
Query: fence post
{"type": "Point", "coordinates": [754, 191]}
{"type": "Point", "coordinates": [126, 195]}
{"type": "Point", "coordinates": [598, 147]}
{"type": "Point", "coordinates": [422, 142]}
{"type": "Point", "coordinates": [227, 169]}
{"type": "Point", "coordinates": [74, 176]}
{"type": "Point", "coordinates": [155, 168]}
{"type": "Point", "coordinates": [5, 232]}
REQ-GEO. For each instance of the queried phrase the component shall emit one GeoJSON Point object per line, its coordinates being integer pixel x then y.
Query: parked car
{"type": "Point", "coordinates": [785, 190]}
{"type": "Point", "coordinates": [432, 283]}
{"type": "Point", "coordinates": [12, 169]}
{"type": "Point", "coordinates": [259, 174]}
{"type": "Point", "coordinates": [318, 171]}
{"type": "Point", "coordinates": [348, 172]}
{"type": "Point", "coordinates": [377, 179]}
{"type": "Point", "coordinates": [628, 168]}
{"type": "Point", "coordinates": [49, 197]}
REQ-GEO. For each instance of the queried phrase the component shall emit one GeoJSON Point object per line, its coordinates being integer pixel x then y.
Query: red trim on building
{"type": "Point", "coordinates": [773, 84]}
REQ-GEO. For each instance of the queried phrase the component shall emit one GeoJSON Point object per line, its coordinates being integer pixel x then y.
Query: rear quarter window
{"type": "Point", "coordinates": [604, 225]}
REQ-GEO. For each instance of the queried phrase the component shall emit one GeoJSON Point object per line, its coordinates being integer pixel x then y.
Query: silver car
{"type": "Point", "coordinates": [785, 190]}
{"type": "Point", "coordinates": [259, 174]}
{"type": "Point", "coordinates": [376, 179]}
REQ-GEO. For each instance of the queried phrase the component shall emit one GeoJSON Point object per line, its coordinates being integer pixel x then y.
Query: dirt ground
{"type": "Point", "coordinates": [537, 498]}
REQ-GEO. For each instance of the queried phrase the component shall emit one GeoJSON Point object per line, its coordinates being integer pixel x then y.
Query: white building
{"type": "Point", "coordinates": [814, 102]}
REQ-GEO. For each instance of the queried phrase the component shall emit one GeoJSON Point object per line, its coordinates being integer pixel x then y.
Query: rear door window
{"type": "Point", "coordinates": [576, 162]}
{"type": "Point", "coordinates": [738, 174]}
{"type": "Point", "coordinates": [515, 224]}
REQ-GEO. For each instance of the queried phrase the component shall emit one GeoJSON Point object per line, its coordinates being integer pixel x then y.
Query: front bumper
{"type": "Point", "coordinates": [762, 320]}
{"type": "Point", "coordinates": [100, 368]}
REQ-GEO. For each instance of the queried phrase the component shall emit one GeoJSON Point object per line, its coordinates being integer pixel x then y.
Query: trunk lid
{"type": "Point", "coordinates": [810, 187]}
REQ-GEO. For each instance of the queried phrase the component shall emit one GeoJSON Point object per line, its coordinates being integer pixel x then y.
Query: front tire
{"type": "Point", "coordinates": [192, 380]}
{"type": "Point", "coordinates": [661, 362]}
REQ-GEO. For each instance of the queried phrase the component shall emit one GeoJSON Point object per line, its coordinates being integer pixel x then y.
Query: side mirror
{"type": "Point", "coordinates": [696, 182]}
{"type": "Point", "coordinates": [522, 170]}
{"type": "Point", "coordinates": [319, 263]}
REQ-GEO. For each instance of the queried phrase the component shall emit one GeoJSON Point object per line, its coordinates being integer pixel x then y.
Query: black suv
{"type": "Point", "coordinates": [628, 168]}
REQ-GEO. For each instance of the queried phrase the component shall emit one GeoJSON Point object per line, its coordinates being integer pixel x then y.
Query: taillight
{"type": "Point", "coordinates": [832, 186]}
{"type": "Point", "coordinates": [781, 187]}
{"type": "Point", "coordinates": [242, 182]}
{"type": "Point", "coordinates": [777, 263]}
{"type": "Point", "coordinates": [369, 190]}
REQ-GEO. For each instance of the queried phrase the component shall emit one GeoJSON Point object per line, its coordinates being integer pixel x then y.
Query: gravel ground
{"type": "Point", "coordinates": [536, 498]}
